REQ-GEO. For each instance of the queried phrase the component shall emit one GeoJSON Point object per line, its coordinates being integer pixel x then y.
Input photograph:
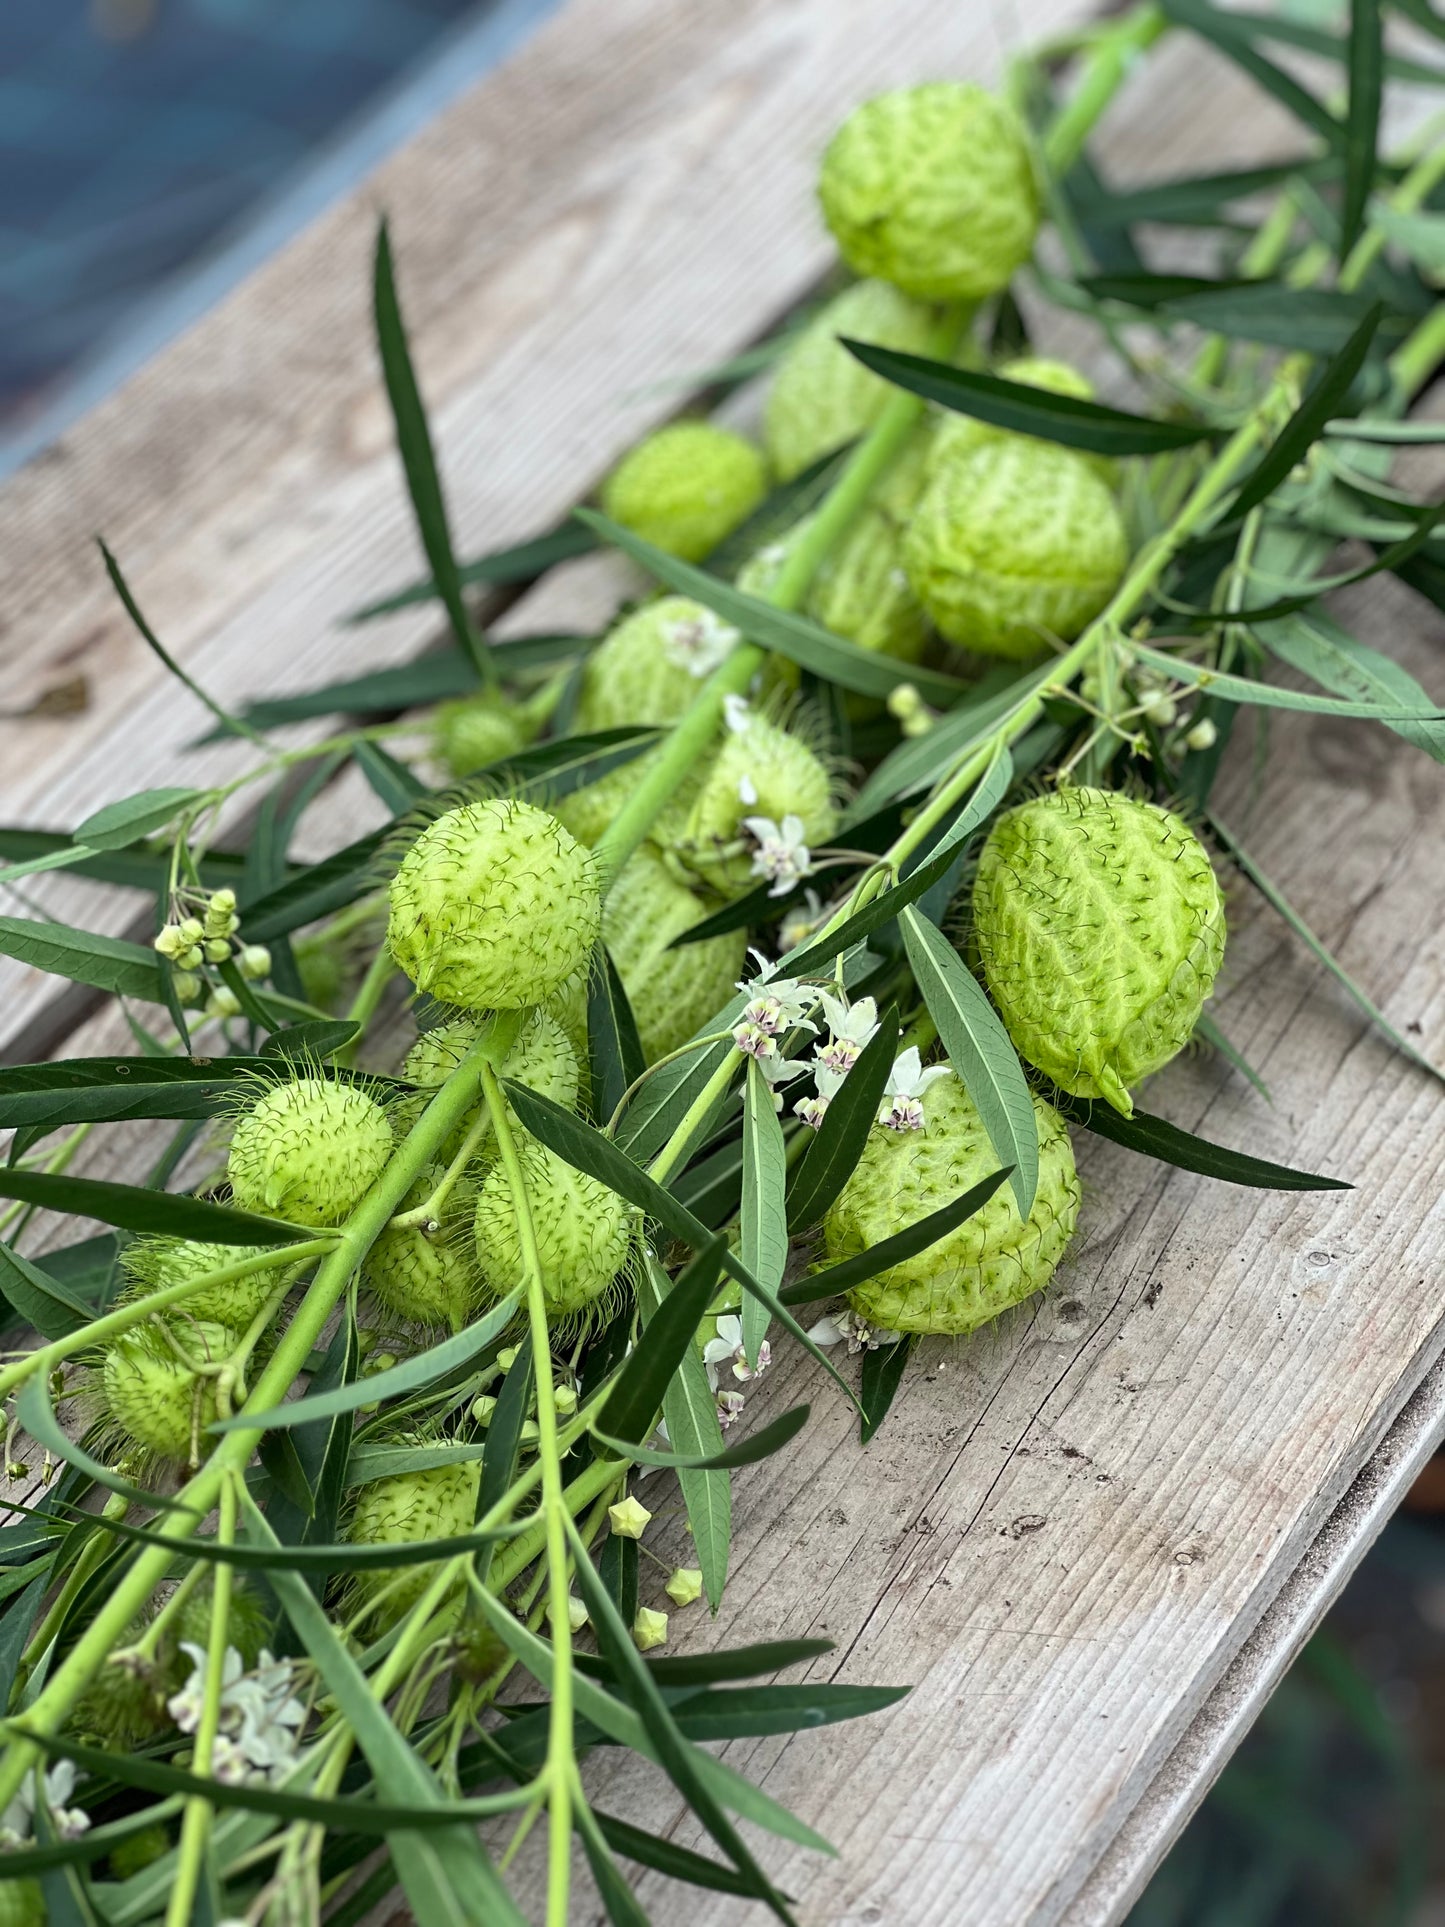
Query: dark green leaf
{"type": "Point", "coordinates": [312, 1559]}
{"type": "Point", "coordinates": [665, 1856]}
{"type": "Point", "coordinates": [759, 1445]}
{"type": "Point", "coordinates": [413, 441]}
{"type": "Point", "coordinates": [1304, 428]}
{"type": "Point", "coordinates": [1315, 321]}
{"type": "Point", "coordinates": [121, 824]}
{"type": "Point", "coordinates": [158, 649]}
{"type": "Point", "coordinates": [1362, 123]}
{"type": "Point", "coordinates": [522, 562]}
{"type": "Point", "coordinates": [95, 1089]}
{"type": "Point", "coordinates": [882, 1375]}
{"type": "Point", "coordinates": [712, 1187]}
{"type": "Point", "coordinates": [828, 1162]}
{"type": "Point", "coordinates": [42, 1301]}
{"type": "Point", "coordinates": [104, 963]}
{"type": "Point", "coordinates": [504, 1434]}
{"type": "Point", "coordinates": [1200, 197]}
{"type": "Point", "coordinates": [311, 1043]}
{"type": "Point", "coordinates": [614, 1050]}
{"type": "Point", "coordinates": [1243, 689]}
{"type": "Point", "coordinates": [16, 1626]}
{"type": "Point", "coordinates": [1232, 36]}
{"type": "Point", "coordinates": [137, 1210]}
{"type": "Point", "coordinates": [1153, 1137]}
{"type": "Point", "coordinates": [904, 1244]}
{"type": "Point", "coordinates": [800, 640]}
{"type": "Point", "coordinates": [636, 1396]}
{"type": "Point", "coordinates": [389, 779]}
{"type": "Point", "coordinates": [1026, 410]}
{"type": "Point", "coordinates": [920, 761]}
{"type": "Point", "coordinates": [620, 1903]}
{"type": "Point", "coordinates": [145, 869]}
{"type": "Point", "coordinates": [617, 1567]}
{"type": "Point", "coordinates": [763, 1225]}
{"type": "Point", "coordinates": [752, 1712]}
{"type": "Point", "coordinates": [690, 1409]}
{"type": "Point", "coordinates": [1318, 647]}
{"type": "Point", "coordinates": [708, 1669]}
{"type": "Point", "coordinates": [319, 889]}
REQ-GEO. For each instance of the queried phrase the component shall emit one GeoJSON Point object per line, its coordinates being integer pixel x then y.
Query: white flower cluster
{"type": "Point", "coordinates": [699, 643]}
{"type": "Point", "coordinates": [17, 1822]}
{"type": "Point", "coordinates": [852, 1329]}
{"type": "Point", "coordinates": [727, 1350]}
{"type": "Point", "coordinates": [260, 1715]}
{"type": "Point", "coordinates": [782, 851]}
{"type": "Point", "coordinates": [778, 1005]}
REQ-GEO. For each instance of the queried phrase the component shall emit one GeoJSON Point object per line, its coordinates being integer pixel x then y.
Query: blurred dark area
{"type": "Point", "coordinates": [1332, 1812]}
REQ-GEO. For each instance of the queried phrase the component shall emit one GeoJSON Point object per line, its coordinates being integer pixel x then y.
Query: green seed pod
{"type": "Point", "coordinates": [955, 435]}
{"type": "Point", "coordinates": [249, 1627]}
{"type": "Point", "coordinates": [584, 1234]}
{"type": "Point", "coordinates": [686, 487]}
{"type": "Point", "coordinates": [477, 731]}
{"type": "Point", "coordinates": [138, 1851]}
{"type": "Point", "coordinates": [1013, 544]}
{"type": "Point", "coordinates": [932, 188]}
{"type": "Point", "coordinates": [309, 1151]}
{"type": "Point", "coordinates": [428, 1277]}
{"type": "Point", "coordinates": [121, 1708]}
{"type": "Point", "coordinates": [494, 906]}
{"type": "Point", "coordinates": [993, 1259]}
{"type": "Point", "coordinates": [822, 397]}
{"type": "Point", "coordinates": [673, 993]}
{"type": "Point", "coordinates": [155, 1399]}
{"type": "Point", "coordinates": [587, 813]}
{"type": "Point", "coordinates": [1100, 926]}
{"type": "Point", "coordinates": [22, 1904]}
{"type": "Point", "coordinates": [863, 594]}
{"type": "Point", "coordinates": [401, 1511]}
{"type": "Point", "coordinates": [541, 1057]}
{"type": "Point", "coordinates": [762, 770]}
{"type": "Point", "coordinates": [650, 667]}
{"type": "Point", "coordinates": [154, 1264]}
{"type": "Point", "coordinates": [479, 1650]}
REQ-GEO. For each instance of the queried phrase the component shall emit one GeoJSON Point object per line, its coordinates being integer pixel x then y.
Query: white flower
{"type": "Point", "coordinates": [737, 714]}
{"type": "Point", "coordinates": [812, 1110]}
{"type": "Point", "coordinates": [754, 1039]}
{"type": "Point", "coordinates": [781, 1070]}
{"type": "Point", "coordinates": [727, 1349]}
{"type": "Point", "coordinates": [850, 1027]}
{"type": "Point", "coordinates": [829, 1082]}
{"type": "Point", "coordinates": [729, 1409]}
{"type": "Point", "coordinates": [848, 1327]}
{"type": "Point", "coordinates": [782, 851]}
{"type": "Point", "coordinates": [18, 1819]}
{"type": "Point", "coordinates": [801, 921]}
{"type": "Point", "coordinates": [185, 1707]}
{"type": "Point", "coordinates": [902, 1108]}
{"type": "Point", "coordinates": [778, 1005]}
{"type": "Point", "coordinates": [699, 643]}
{"type": "Point", "coordinates": [747, 790]}
{"type": "Point", "coordinates": [259, 1714]}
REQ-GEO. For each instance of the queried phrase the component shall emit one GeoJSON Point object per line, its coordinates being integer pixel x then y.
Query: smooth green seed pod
{"type": "Point", "coordinates": [955, 435]}
{"type": "Point", "coordinates": [309, 1152]}
{"type": "Point", "coordinates": [1100, 927]}
{"type": "Point", "coordinates": [673, 993]}
{"type": "Point", "coordinates": [477, 731]}
{"type": "Point", "coordinates": [822, 396]}
{"type": "Point", "coordinates": [428, 1277]}
{"type": "Point", "coordinates": [541, 1057]}
{"type": "Point", "coordinates": [584, 1233]}
{"type": "Point", "coordinates": [155, 1399]}
{"type": "Point", "coordinates": [761, 770]}
{"type": "Point", "coordinates": [155, 1264]}
{"type": "Point", "coordinates": [992, 1260]}
{"type": "Point", "coordinates": [934, 189]}
{"type": "Point", "coordinates": [494, 906]}
{"type": "Point", "coordinates": [402, 1511]}
{"type": "Point", "coordinates": [649, 668]}
{"type": "Point", "coordinates": [1015, 544]}
{"type": "Point", "coordinates": [686, 487]}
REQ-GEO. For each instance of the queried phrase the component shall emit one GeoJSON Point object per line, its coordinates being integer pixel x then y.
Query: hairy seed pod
{"type": "Point", "coordinates": [673, 993]}
{"type": "Point", "coordinates": [648, 669]}
{"type": "Point", "coordinates": [402, 1511]}
{"type": "Point", "coordinates": [138, 1851]}
{"type": "Point", "coordinates": [22, 1904]}
{"type": "Point", "coordinates": [686, 487]}
{"type": "Point", "coordinates": [249, 1626]}
{"type": "Point", "coordinates": [428, 1275]}
{"type": "Point", "coordinates": [762, 770]}
{"type": "Point", "coordinates": [932, 188]}
{"type": "Point", "coordinates": [989, 1262]}
{"type": "Point", "coordinates": [588, 812]}
{"type": "Point", "coordinates": [955, 435]}
{"type": "Point", "coordinates": [1100, 927]}
{"type": "Point", "coordinates": [122, 1707]}
{"type": "Point", "coordinates": [584, 1233]}
{"type": "Point", "coordinates": [494, 906]}
{"type": "Point", "coordinates": [1013, 544]}
{"type": "Point", "coordinates": [541, 1057]}
{"type": "Point", "coordinates": [309, 1151]}
{"type": "Point", "coordinates": [155, 1264]}
{"type": "Point", "coordinates": [822, 396]}
{"type": "Point", "coordinates": [477, 731]}
{"type": "Point", "coordinates": [156, 1399]}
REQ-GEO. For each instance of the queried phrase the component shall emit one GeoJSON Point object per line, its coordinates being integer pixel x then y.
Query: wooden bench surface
{"type": "Point", "coordinates": [1092, 1537]}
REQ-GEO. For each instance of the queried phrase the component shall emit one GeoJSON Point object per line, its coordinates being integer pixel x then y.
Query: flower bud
{"type": "Point", "coordinates": [686, 487]}
{"type": "Point", "coordinates": [628, 1519]}
{"type": "Point", "coordinates": [191, 959]}
{"type": "Point", "coordinates": [576, 1613]}
{"type": "Point", "coordinates": [1203, 735]}
{"type": "Point", "coordinates": [309, 1151]}
{"type": "Point", "coordinates": [507, 1357]}
{"type": "Point", "coordinates": [191, 930]}
{"type": "Point", "coordinates": [169, 941]}
{"type": "Point", "coordinates": [649, 1629]}
{"type": "Point", "coordinates": [254, 962]}
{"type": "Point", "coordinates": [685, 1585]}
{"type": "Point", "coordinates": [564, 1398]}
{"type": "Point", "coordinates": [932, 188]}
{"type": "Point", "coordinates": [483, 1408]}
{"type": "Point", "coordinates": [223, 1002]}
{"type": "Point", "coordinates": [187, 986]}
{"type": "Point", "coordinates": [215, 950]}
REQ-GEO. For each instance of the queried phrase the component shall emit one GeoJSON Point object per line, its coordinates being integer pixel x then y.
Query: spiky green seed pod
{"type": "Point", "coordinates": [428, 1276]}
{"type": "Point", "coordinates": [156, 1399]}
{"type": "Point", "coordinates": [309, 1151]}
{"type": "Point", "coordinates": [22, 1904]}
{"type": "Point", "coordinates": [402, 1511]}
{"type": "Point", "coordinates": [822, 397]}
{"type": "Point", "coordinates": [541, 1057]}
{"type": "Point", "coordinates": [955, 435]}
{"type": "Point", "coordinates": [934, 189]}
{"type": "Point", "coordinates": [863, 594]}
{"type": "Point", "coordinates": [584, 1233]}
{"type": "Point", "coordinates": [586, 813]}
{"type": "Point", "coordinates": [686, 487]}
{"type": "Point", "coordinates": [155, 1264]}
{"type": "Point", "coordinates": [138, 1851]}
{"type": "Point", "coordinates": [1015, 544]}
{"type": "Point", "coordinates": [1100, 927]}
{"type": "Point", "coordinates": [993, 1259]}
{"type": "Point", "coordinates": [762, 770]}
{"type": "Point", "coordinates": [477, 731]}
{"type": "Point", "coordinates": [249, 1627]}
{"type": "Point", "coordinates": [494, 906]}
{"type": "Point", "coordinates": [673, 993]}
{"type": "Point", "coordinates": [122, 1707]}
{"type": "Point", "coordinates": [649, 668]}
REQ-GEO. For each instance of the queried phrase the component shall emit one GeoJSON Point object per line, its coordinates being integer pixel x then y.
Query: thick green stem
{"type": "Point", "coordinates": [1110, 58]}
{"type": "Point", "coordinates": [196, 1826]}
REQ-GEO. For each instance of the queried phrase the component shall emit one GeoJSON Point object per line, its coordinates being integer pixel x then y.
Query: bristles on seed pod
{"type": "Point", "coordinates": [761, 770]}
{"type": "Point", "coordinates": [954, 435]}
{"type": "Point", "coordinates": [155, 1264]}
{"type": "Point", "coordinates": [494, 906]}
{"type": "Point", "coordinates": [308, 1151]}
{"type": "Point", "coordinates": [427, 1274]}
{"type": "Point", "coordinates": [934, 189]}
{"type": "Point", "coordinates": [157, 1399]}
{"type": "Point", "coordinates": [686, 487]}
{"type": "Point", "coordinates": [1100, 925]}
{"type": "Point", "coordinates": [585, 1235]}
{"type": "Point", "coordinates": [1015, 543]}
{"type": "Point", "coordinates": [541, 1057]}
{"type": "Point", "coordinates": [478, 731]}
{"type": "Point", "coordinates": [647, 670]}
{"type": "Point", "coordinates": [404, 1511]}
{"type": "Point", "coordinates": [673, 993]}
{"type": "Point", "coordinates": [992, 1260]}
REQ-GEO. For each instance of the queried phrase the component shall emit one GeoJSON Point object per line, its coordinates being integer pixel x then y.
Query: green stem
{"type": "Point", "coordinates": [1110, 58]}
{"type": "Point", "coordinates": [90, 1557]}
{"type": "Point", "coordinates": [364, 1005]}
{"type": "Point", "coordinates": [196, 1825]}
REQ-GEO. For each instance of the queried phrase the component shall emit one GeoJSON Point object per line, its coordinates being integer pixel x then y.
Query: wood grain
{"type": "Point", "coordinates": [1078, 1536]}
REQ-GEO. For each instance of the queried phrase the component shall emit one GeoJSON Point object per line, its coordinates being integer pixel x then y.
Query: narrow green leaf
{"type": "Point", "coordinates": [614, 1049]}
{"type": "Point", "coordinates": [317, 1560]}
{"type": "Point", "coordinates": [134, 869]}
{"type": "Point", "coordinates": [388, 779]}
{"type": "Point", "coordinates": [120, 824]}
{"type": "Point", "coordinates": [97, 1089]}
{"type": "Point", "coordinates": [731, 1663]}
{"type": "Point", "coordinates": [800, 640]}
{"type": "Point", "coordinates": [1195, 198]}
{"type": "Point", "coordinates": [1304, 428]}
{"type": "Point", "coordinates": [413, 441]}
{"type": "Point", "coordinates": [1232, 37]}
{"type": "Point", "coordinates": [829, 1160]}
{"type": "Point", "coordinates": [690, 1411]}
{"type": "Point", "coordinates": [1422, 237]}
{"type": "Point", "coordinates": [980, 1051]}
{"type": "Point", "coordinates": [1155, 1137]}
{"type": "Point", "coordinates": [504, 1434]}
{"type": "Point", "coordinates": [311, 1043]}
{"type": "Point", "coordinates": [1318, 647]}
{"type": "Point", "coordinates": [920, 761]}
{"type": "Point", "coordinates": [319, 889]}
{"type": "Point", "coordinates": [758, 1445]}
{"type": "Point", "coordinates": [665, 1856]}
{"type": "Point", "coordinates": [764, 1222]}
{"type": "Point", "coordinates": [1242, 689]}
{"type": "Point", "coordinates": [133, 1209]}
{"type": "Point", "coordinates": [162, 654]}
{"type": "Point", "coordinates": [1024, 410]}
{"type": "Point", "coordinates": [620, 1903]}
{"type": "Point", "coordinates": [104, 963]}
{"type": "Point", "coordinates": [882, 1376]}
{"type": "Point", "coordinates": [907, 1243]}
{"type": "Point", "coordinates": [753, 1712]}
{"type": "Point", "coordinates": [1314, 321]}
{"type": "Point", "coordinates": [617, 1567]}
{"type": "Point", "coordinates": [40, 1300]}
{"type": "Point", "coordinates": [1208, 1032]}
{"type": "Point", "coordinates": [427, 1368]}
{"type": "Point", "coordinates": [712, 1187]}
{"type": "Point", "coordinates": [636, 1396]}
{"type": "Point", "coordinates": [1362, 122]}
{"type": "Point", "coordinates": [521, 562]}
